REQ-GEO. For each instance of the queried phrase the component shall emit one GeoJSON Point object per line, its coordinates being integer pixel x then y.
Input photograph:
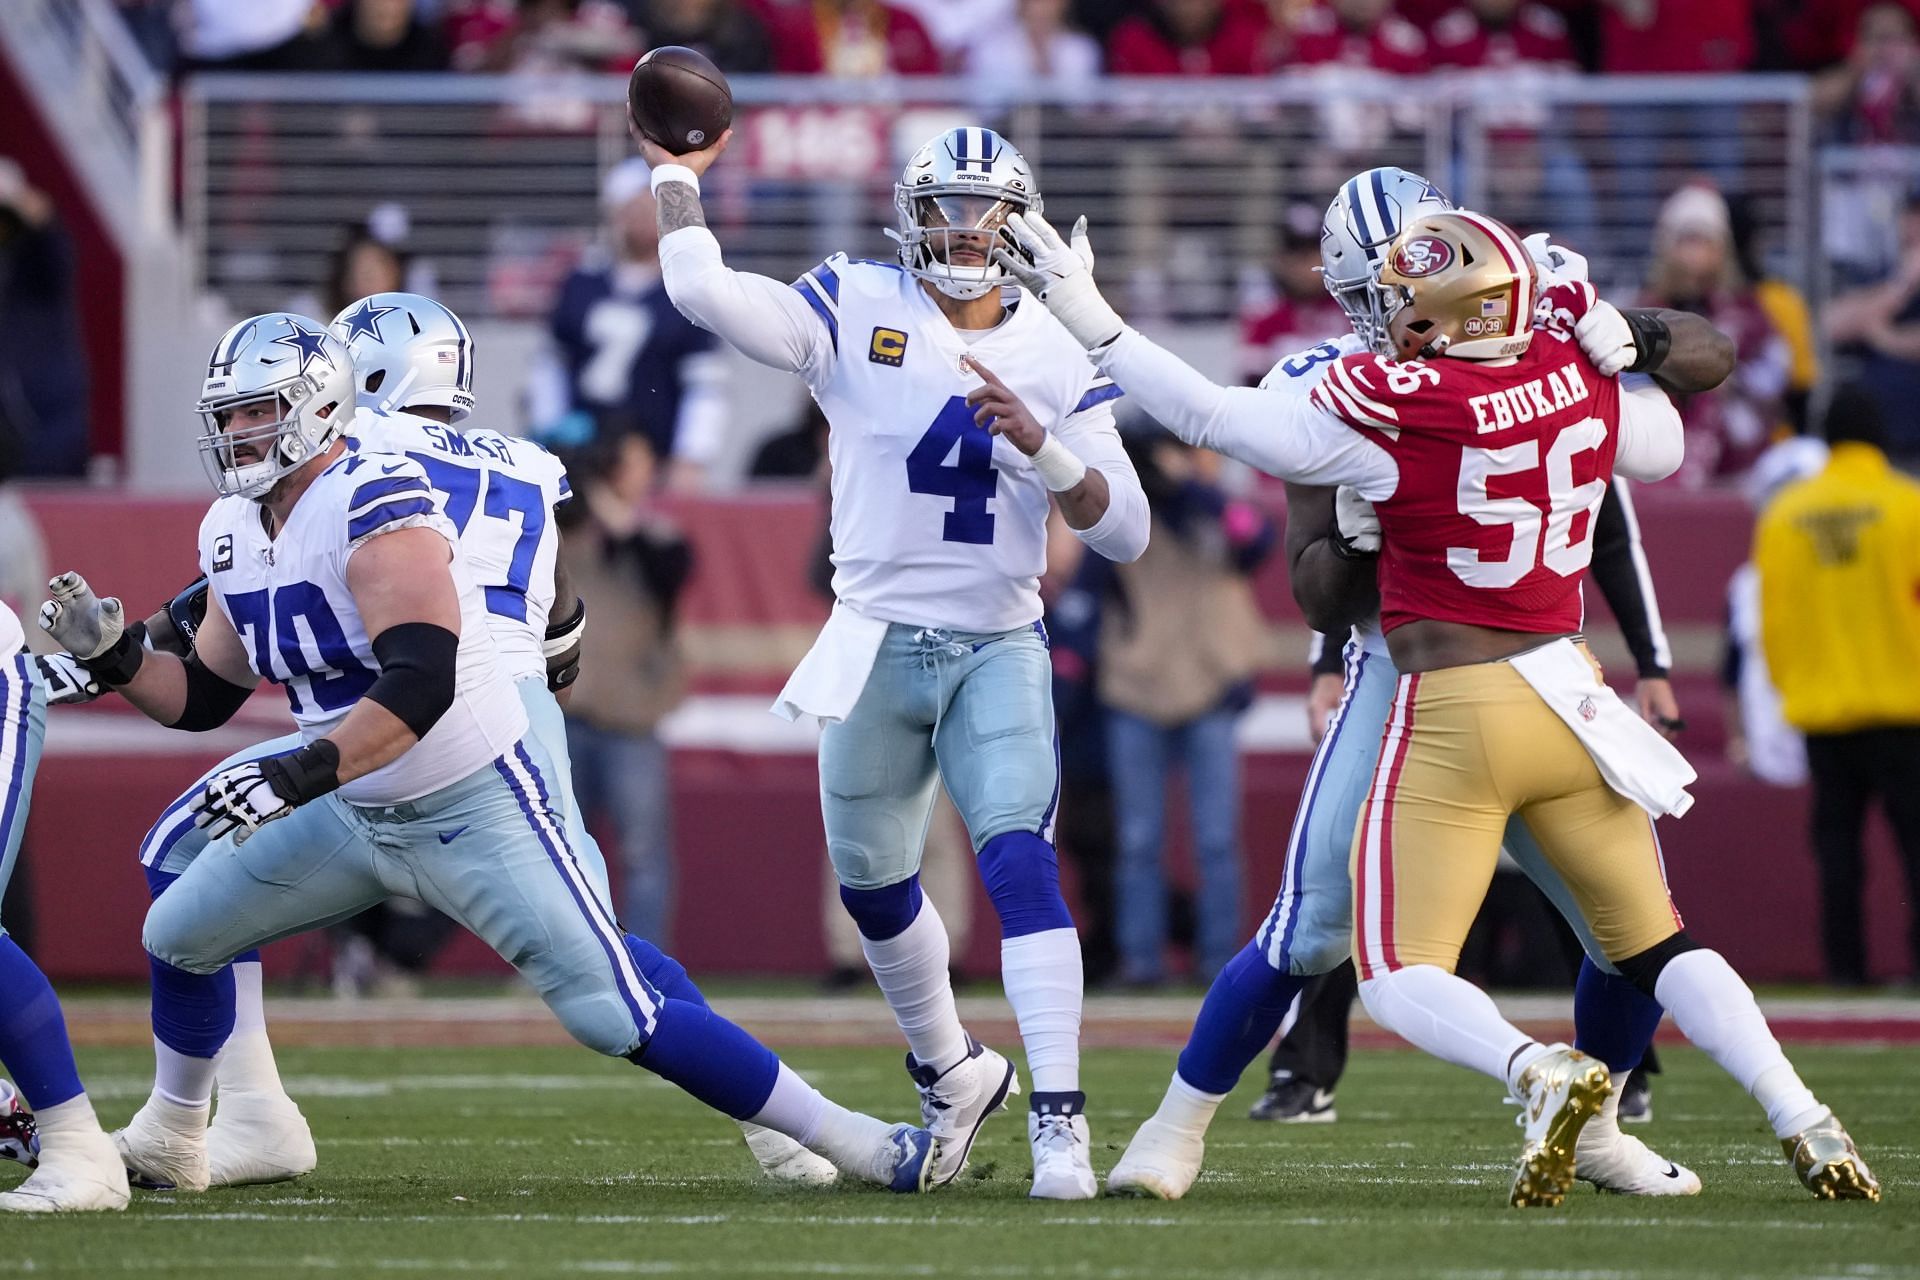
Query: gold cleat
{"type": "Point", "coordinates": [1559, 1093]}
{"type": "Point", "coordinates": [1829, 1164]}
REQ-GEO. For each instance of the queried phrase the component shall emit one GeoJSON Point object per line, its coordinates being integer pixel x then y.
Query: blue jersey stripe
{"type": "Point", "coordinates": [386, 513]}
{"type": "Point", "coordinates": [386, 487]}
{"type": "Point", "coordinates": [1099, 395]}
{"type": "Point", "coordinates": [825, 312]}
{"type": "Point", "coordinates": [13, 814]}
{"type": "Point", "coordinates": [828, 279]}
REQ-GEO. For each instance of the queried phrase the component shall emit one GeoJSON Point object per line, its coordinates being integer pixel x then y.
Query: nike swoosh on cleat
{"type": "Point", "coordinates": [448, 837]}
{"type": "Point", "coordinates": [1673, 1171]}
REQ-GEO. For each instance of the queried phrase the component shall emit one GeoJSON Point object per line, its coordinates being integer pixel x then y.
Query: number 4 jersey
{"type": "Point", "coordinates": [288, 600]}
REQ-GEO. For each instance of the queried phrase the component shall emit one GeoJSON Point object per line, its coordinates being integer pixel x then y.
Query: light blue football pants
{"type": "Point", "coordinates": [977, 707]}
{"type": "Point", "coordinates": [173, 842]}
{"type": "Point", "coordinates": [1310, 929]}
{"type": "Point", "coordinates": [23, 730]}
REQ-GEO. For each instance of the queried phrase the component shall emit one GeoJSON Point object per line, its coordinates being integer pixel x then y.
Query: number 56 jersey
{"type": "Point", "coordinates": [935, 522]}
{"type": "Point", "coordinates": [288, 600]}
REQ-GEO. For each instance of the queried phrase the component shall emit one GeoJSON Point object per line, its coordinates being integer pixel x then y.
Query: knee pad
{"type": "Point", "coordinates": [1643, 970]}
{"type": "Point", "coordinates": [1022, 875]}
{"type": "Point", "coordinates": [884, 913]}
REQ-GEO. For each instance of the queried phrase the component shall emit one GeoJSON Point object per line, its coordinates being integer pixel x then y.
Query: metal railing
{"type": "Point", "coordinates": [1185, 181]}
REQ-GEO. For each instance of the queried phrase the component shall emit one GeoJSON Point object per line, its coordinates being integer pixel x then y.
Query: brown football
{"type": "Point", "coordinates": [679, 99]}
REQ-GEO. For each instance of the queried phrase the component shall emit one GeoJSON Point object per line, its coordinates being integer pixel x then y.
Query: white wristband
{"type": "Point", "coordinates": [1059, 467]}
{"type": "Point", "coordinates": [674, 173]}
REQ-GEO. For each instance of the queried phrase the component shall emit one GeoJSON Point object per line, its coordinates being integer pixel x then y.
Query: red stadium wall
{"type": "Point", "coordinates": [746, 822]}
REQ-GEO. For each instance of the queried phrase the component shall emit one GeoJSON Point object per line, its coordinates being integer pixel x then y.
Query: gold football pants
{"type": "Point", "coordinates": [1464, 748]}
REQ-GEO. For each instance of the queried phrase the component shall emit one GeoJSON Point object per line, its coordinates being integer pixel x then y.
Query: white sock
{"type": "Point", "coordinates": [1450, 1018]}
{"type": "Point", "coordinates": [1716, 1011]}
{"type": "Point", "coordinates": [1186, 1108]}
{"type": "Point", "coordinates": [69, 1119]}
{"type": "Point", "coordinates": [911, 968]}
{"type": "Point", "coordinates": [246, 1061]}
{"type": "Point", "coordinates": [181, 1079]}
{"type": "Point", "coordinates": [818, 1123]}
{"type": "Point", "coordinates": [1045, 985]}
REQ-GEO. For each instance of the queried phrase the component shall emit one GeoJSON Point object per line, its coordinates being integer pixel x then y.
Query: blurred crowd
{"type": "Point", "coordinates": [1059, 38]}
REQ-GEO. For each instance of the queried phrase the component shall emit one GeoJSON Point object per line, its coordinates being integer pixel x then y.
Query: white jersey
{"type": "Point", "coordinates": [12, 637]}
{"type": "Point", "coordinates": [499, 491]}
{"type": "Point", "coordinates": [1297, 375]}
{"type": "Point", "coordinates": [287, 598]}
{"type": "Point", "coordinates": [935, 522]}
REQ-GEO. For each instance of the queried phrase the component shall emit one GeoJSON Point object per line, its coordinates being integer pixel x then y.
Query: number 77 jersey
{"type": "Point", "coordinates": [1501, 469]}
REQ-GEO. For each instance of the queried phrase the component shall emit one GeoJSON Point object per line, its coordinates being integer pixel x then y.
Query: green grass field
{"type": "Point", "coordinates": [550, 1161]}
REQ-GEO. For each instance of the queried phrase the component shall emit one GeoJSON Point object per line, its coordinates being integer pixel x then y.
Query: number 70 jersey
{"type": "Point", "coordinates": [936, 523]}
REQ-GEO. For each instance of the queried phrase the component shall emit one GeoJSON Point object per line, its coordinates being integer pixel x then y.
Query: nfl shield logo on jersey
{"type": "Point", "coordinates": [1587, 710]}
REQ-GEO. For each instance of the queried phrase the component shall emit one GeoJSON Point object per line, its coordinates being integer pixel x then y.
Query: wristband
{"type": "Point", "coordinates": [675, 173]}
{"type": "Point", "coordinates": [1651, 338]}
{"type": "Point", "coordinates": [306, 774]}
{"type": "Point", "coordinates": [1058, 466]}
{"type": "Point", "coordinates": [118, 664]}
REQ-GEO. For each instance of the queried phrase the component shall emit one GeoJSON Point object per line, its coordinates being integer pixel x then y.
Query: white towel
{"type": "Point", "coordinates": [1634, 759]}
{"type": "Point", "coordinates": [829, 679]}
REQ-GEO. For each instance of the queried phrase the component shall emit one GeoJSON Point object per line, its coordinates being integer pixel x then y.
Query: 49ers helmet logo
{"type": "Point", "coordinates": [1422, 256]}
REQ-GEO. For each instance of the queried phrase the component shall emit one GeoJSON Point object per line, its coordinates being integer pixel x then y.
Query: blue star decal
{"type": "Point", "coordinates": [364, 321]}
{"type": "Point", "coordinates": [310, 343]}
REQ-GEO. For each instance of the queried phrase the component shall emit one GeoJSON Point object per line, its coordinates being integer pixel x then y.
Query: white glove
{"type": "Point", "coordinates": [239, 801]}
{"type": "Point", "coordinates": [1353, 516]}
{"type": "Point", "coordinates": [1562, 264]}
{"type": "Point", "coordinates": [84, 625]}
{"type": "Point", "coordinates": [1606, 337]}
{"type": "Point", "coordinates": [1061, 275]}
{"type": "Point", "coordinates": [68, 683]}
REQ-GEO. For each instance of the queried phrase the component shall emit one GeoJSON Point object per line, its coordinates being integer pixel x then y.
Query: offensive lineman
{"type": "Point", "coordinates": [336, 575]}
{"type": "Point", "coordinates": [1497, 710]}
{"type": "Point", "coordinates": [935, 656]}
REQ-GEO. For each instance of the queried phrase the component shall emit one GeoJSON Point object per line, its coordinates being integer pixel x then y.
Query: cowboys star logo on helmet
{"type": "Point", "coordinates": [263, 414]}
{"type": "Point", "coordinates": [424, 358]}
{"type": "Point", "coordinates": [953, 201]}
{"type": "Point", "coordinates": [362, 320]}
{"type": "Point", "coordinates": [310, 343]}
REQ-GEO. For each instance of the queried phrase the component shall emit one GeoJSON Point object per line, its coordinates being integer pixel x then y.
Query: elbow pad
{"type": "Point", "coordinates": [418, 661]}
{"type": "Point", "coordinates": [188, 610]}
{"type": "Point", "coordinates": [211, 699]}
{"type": "Point", "coordinates": [562, 647]}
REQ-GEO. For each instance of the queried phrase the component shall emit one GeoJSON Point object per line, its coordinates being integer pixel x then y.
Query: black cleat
{"type": "Point", "coordinates": [1292, 1101]}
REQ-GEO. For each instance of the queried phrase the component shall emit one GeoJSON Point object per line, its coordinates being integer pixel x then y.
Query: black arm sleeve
{"type": "Point", "coordinates": [1619, 567]}
{"type": "Point", "coordinates": [211, 699]}
{"type": "Point", "coordinates": [416, 681]}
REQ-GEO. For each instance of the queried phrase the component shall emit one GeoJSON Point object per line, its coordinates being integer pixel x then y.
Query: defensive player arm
{"type": "Point", "coordinates": [1652, 444]}
{"type": "Point", "coordinates": [1697, 356]}
{"type": "Point", "coordinates": [769, 322]}
{"type": "Point", "coordinates": [1334, 591]}
{"type": "Point", "coordinates": [406, 598]}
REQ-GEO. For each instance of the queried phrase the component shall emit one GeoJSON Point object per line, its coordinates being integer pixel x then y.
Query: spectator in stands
{"type": "Point", "coordinates": [1874, 96]}
{"type": "Point", "coordinates": [1039, 44]}
{"type": "Point", "coordinates": [1193, 38]}
{"type": "Point", "coordinates": [1358, 33]}
{"type": "Point", "coordinates": [1180, 640]}
{"type": "Point", "coordinates": [1786, 309]}
{"type": "Point", "coordinates": [383, 35]}
{"type": "Point", "coordinates": [623, 359]}
{"type": "Point", "coordinates": [370, 259]}
{"type": "Point", "coordinates": [1675, 36]}
{"type": "Point", "coordinates": [541, 36]}
{"type": "Point", "coordinates": [798, 453]}
{"type": "Point", "coordinates": [1695, 269]}
{"type": "Point", "coordinates": [43, 363]}
{"type": "Point", "coordinates": [632, 564]}
{"type": "Point", "coordinates": [1303, 313]}
{"type": "Point", "coordinates": [259, 35]}
{"type": "Point", "coordinates": [850, 38]}
{"type": "Point", "coordinates": [733, 37]}
{"type": "Point", "coordinates": [1839, 563]}
{"type": "Point", "coordinates": [1876, 331]}
{"type": "Point", "coordinates": [954, 25]}
{"type": "Point", "coordinates": [1502, 34]}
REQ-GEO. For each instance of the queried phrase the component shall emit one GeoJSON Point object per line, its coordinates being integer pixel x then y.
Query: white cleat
{"type": "Point", "coordinates": [1062, 1148]}
{"type": "Point", "coordinates": [1559, 1093]}
{"type": "Point", "coordinates": [164, 1147]}
{"type": "Point", "coordinates": [1612, 1161]}
{"type": "Point", "coordinates": [956, 1102]}
{"type": "Point", "coordinates": [1161, 1163]}
{"type": "Point", "coordinates": [257, 1138]}
{"type": "Point", "coordinates": [77, 1174]}
{"type": "Point", "coordinates": [784, 1160]}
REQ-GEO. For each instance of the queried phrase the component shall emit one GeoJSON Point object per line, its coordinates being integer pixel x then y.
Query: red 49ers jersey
{"type": "Point", "coordinates": [1502, 469]}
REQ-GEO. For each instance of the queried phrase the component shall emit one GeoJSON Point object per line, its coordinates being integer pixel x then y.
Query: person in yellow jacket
{"type": "Point", "coordinates": [1838, 556]}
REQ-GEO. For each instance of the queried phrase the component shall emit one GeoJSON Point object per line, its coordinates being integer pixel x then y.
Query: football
{"type": "Point", "coordinates": [679, 99]}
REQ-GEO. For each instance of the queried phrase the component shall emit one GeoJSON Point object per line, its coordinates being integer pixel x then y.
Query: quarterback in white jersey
{"type": "Point", "coordinates": [336, 574]}
{"type": "Point", "coordinates": [959, 413]}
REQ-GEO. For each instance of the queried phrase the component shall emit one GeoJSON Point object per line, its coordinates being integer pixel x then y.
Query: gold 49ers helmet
{"type": "Point", "coordinates": [1457, 284]}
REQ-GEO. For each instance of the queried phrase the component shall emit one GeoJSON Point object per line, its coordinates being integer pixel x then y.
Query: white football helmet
{"type": "Point", "coordinates": [304, 369]}
{"type": "Point", "coordinates": [955, 196]}
{"type": "Point", "coordinates": [408, 350]}
{"type": "Point", "coordinates": [1362, 221]}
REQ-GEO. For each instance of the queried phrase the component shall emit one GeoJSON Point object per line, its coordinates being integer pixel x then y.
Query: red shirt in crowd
{"type": "Point", "coordinates": [1242, 44]}
{"type": "Point", "coordinates": [1677, 36]}
{"type": "Point", "coordinates": [1536, 34]}
{"type": "Point", "coordinates": [867, 37]}
{"type": "Point", "coordinates": [1392, 44]}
